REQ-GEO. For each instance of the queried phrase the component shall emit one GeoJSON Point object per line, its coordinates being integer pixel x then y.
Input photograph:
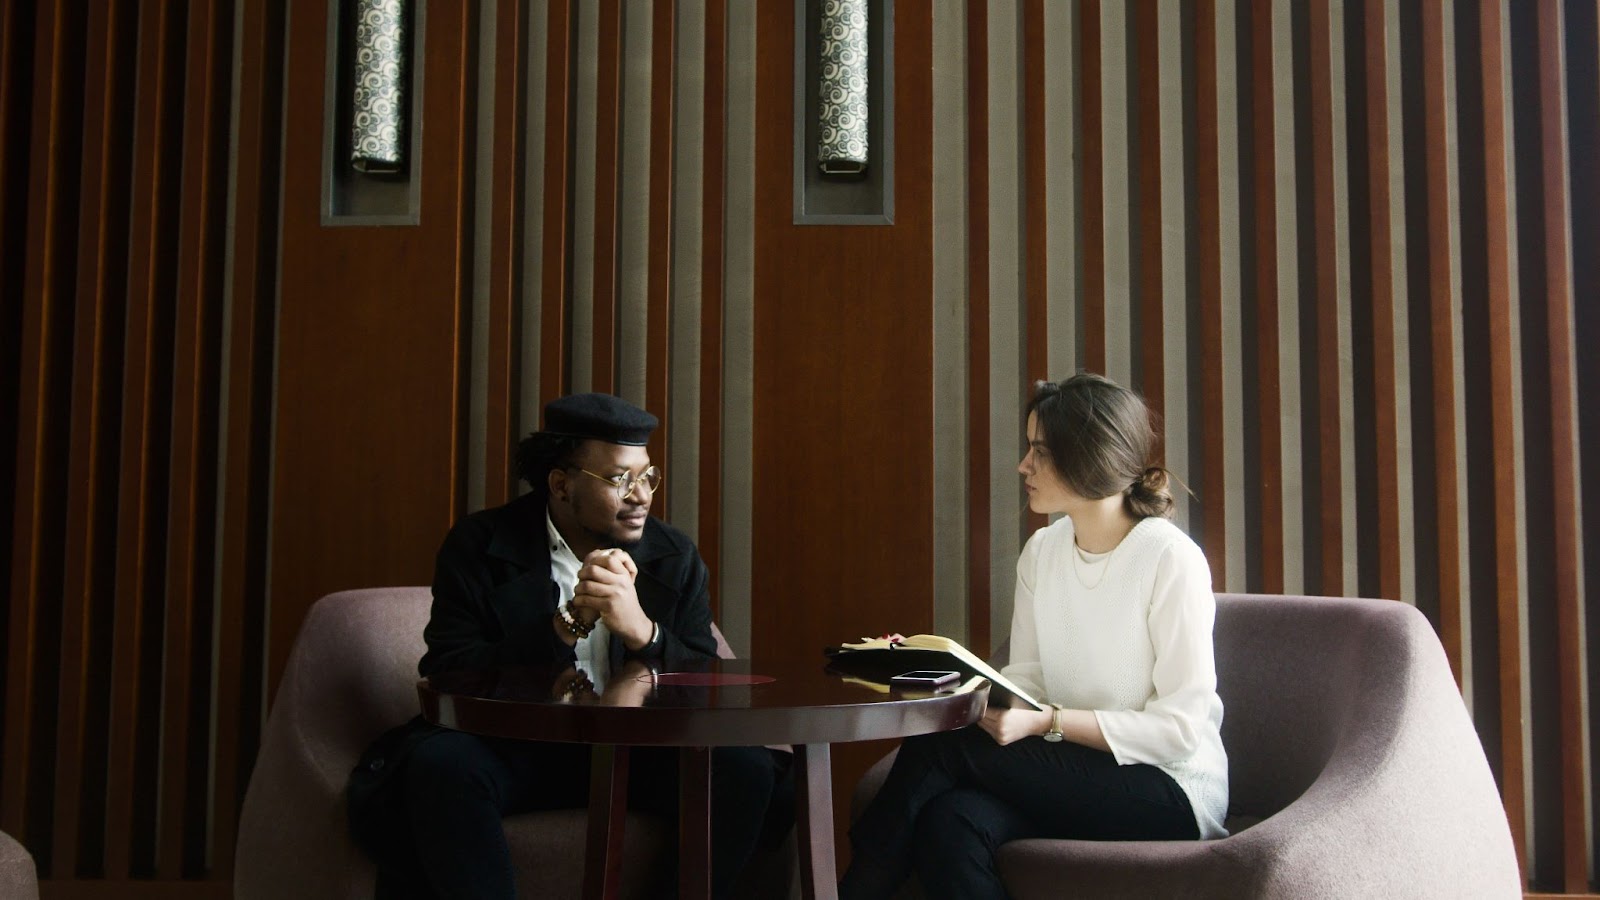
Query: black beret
{"type": "Point", "coordinates": [599, 417]}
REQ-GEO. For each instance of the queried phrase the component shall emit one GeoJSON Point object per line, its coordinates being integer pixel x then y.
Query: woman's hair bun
{"type": "Point", "coordinates": [1148, 496]}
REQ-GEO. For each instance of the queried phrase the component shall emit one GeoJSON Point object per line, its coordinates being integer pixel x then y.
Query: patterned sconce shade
{"type": "Point", "coordinates": [379, 106]}
{"type": "Point", "coordinates": [842, 148]}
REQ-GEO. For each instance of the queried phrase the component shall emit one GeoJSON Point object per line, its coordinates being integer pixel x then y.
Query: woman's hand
{"type": "Point", "coordinates": [1008, 725]}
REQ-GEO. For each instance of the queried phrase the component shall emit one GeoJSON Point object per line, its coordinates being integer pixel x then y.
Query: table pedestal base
{"type": "Point", "coordinates": [608, 810]}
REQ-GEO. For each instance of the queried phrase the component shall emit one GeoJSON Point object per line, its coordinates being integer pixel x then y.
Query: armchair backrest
{"type": "Point", "coordinates": [1289, 672]}
{"type": "Point", "coordinates": [353, 670]}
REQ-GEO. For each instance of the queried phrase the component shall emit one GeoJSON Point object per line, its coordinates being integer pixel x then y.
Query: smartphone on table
{"type": "Point", "coordinates": [925, 679]}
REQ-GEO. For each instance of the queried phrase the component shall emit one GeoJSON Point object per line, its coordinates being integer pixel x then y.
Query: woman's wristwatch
{"type": "Point", "coordinates": [1054, 735]}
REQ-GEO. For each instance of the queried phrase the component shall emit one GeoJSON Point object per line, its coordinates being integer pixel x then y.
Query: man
{"type": "Point", "coordinates": [576, 571]}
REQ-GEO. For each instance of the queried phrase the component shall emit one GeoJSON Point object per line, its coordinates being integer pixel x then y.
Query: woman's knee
{"type": "Point", "coordinates": [963, 824]}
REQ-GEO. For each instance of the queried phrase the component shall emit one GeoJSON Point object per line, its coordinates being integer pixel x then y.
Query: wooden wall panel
{"type": "Point", "coordinates": [507, 206]}
{"type": "Point", "coordinates": [122, 312]}
{"type": "Point", "coordinates": [1207, 330]}
{"type": "Point", "coordinates": [712, 260]}
{"type": "Point", "coordinates": [239, 686]}
{"type": "Point", "coordinates": [880, 354]}
{"type": "Point", "coordinates": [90, 561]}
{"type": "Point", "coordinates": [140, 545]}
{"type": "Point", "coordinates": [1562, 390]}
{"type": "Point", "coordinates": [1381, 454]}
{"type": "Point", "coordinates": [1442, 333]}
{"type": "Point", "coordinates": [979, 527]}
{"type": "Point", "coordinates": [1503, 414]}
{"type": "Point", "coordinates": [225, 405]}
{"type": "Point", "coordinates": [554, 376]}
{"type": "Point", "coordinates": [606, 171]}
{"type": "Point", "coordinates": [1263, 115]}
{"type": "Point", "coordinates": [1582, 32]}
{"type": "Point", "coordinates": [40, 432]}
{"type": "Point", "coordinates": [369, 439]}
{"type": "Point", "coordinates": [663, 35]}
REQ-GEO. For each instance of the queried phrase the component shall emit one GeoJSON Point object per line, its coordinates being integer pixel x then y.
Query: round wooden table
{"type": "Point", "coordinates": [696, 707]}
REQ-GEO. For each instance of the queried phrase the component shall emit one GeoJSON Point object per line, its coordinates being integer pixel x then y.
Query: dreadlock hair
{"type": "Point", "coordinates": [540, 453]}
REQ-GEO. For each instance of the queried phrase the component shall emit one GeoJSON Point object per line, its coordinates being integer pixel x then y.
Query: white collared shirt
{"type": "Point", "coordinates": [594, 651]}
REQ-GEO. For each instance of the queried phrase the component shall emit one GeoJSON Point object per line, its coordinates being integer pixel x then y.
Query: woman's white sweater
{"type": "Point", "coordinates": [1134, 646]}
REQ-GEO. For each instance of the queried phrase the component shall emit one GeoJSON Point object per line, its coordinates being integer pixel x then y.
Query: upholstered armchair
{"type": "Point", "coordinates": [1354, 772]}
{"type": "Point", "coordinates": [18, 879]}
{"type": "Point", "coordinates": [352, 674]}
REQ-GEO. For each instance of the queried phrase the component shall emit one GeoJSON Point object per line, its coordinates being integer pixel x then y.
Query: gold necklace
{"type": "Point", "coordinates": [1077, 552]}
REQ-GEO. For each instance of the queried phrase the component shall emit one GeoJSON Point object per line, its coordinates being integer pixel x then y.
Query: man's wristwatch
{"type": "Point", "coordinates": [1054, 735]}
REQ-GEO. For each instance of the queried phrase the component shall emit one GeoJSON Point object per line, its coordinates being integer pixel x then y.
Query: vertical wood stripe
{"type": "Point", "coordinates": [1268, 536]}
{"type": "Point", "coordinates": [12, 41]}
{"type": "Point", "coordinates": [1441, 289]}
{"type": "Point", "coordinates": [1208, 222]}
{"type": "Point", "coordinates": [1150, 366]}
{"type": "Point", "coordinates": [1062, 270]}
{"type": "Point", "coordinates": [86, 485]}
{"type": "Point", "coordinates": [1117, 193]}
{"type": "Point", "coordinates": [608, 111]}
{"type": "Point", "coordinates": [711, 293]}
{"type": "Point", "coordinates": [1035, 222]}
{"type": "Point", "coordinates": [1230, 427]}
{"type": "Point", "coordinates": [1400, 52]}
{"type": "Point", "coordinates": [1502, 409]}
{"type": "Point", "coordinates": [1563, 438]}
{"type": "Point", "coordinates": [34, 413]}
{"type": "Point", "coordinates": [1380, 233]}
{"type": "Point", "coordinates": [506, 206]}
{"type": "Point", "coordinates": [187, 502]}
{"type": "Point", "coordinates": [979, 521]}
{"type": "Point", "coordinates": [952, 513]}
{"type": "Point", "coordinates": [238, 695]}
{"type": "Point", "coordinates": [1007, 307]}
{"type": "Point", "coordinates": [555, 378]}
{"type": "Point", "coordinates": [1329, 474]}
{"type": "Point", "coordinates": [634, 198]}
{"type": "Point", "coordinates": [744, 163]}
{"type": "Point", "coordinates": [1176, 61]}
{"type": "Point", "coordinates": [659, 286]}
{"type": "Point", "coordinates": [1092, 141]}
{"type": "Point", "coordinates": [530, 295]}
{"type": "Point", "coordinates": [1035, 288]}
{"type": "Point", "coordinates": [138, 544]}
{"type": "Point", "coordinates": [684, 401]}
{"type": "Point", "coordinates": [1290, 424]}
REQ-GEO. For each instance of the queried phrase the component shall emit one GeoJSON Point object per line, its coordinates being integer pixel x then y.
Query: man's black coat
{"type": "Point", "coordinates": [493, 601]}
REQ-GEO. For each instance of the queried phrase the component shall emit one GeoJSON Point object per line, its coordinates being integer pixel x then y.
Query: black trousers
{"type": "Point", "coordinates": [952, 798]}
{"type": "Point", "coordinates": [457, 787]}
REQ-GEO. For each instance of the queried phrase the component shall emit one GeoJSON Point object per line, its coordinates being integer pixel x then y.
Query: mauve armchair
{"type": "Point", "coordinates": [18, 878]}
{"type": "Point", "coordinates": [351, 675]}
{"type": "Point", "coordinates": [1354, 771]}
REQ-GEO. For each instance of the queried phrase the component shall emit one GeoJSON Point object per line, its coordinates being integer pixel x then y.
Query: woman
{"type": "Point", "coordinates": [1112, 627]}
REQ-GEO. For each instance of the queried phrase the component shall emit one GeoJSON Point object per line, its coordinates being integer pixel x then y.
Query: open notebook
{"type": "Point", "coordinates": [878, 659]}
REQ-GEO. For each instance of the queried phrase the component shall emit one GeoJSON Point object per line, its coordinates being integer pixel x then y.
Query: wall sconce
{"type": "Point", "coordinates": [378, 104]}
{"type": "Point", "coordinates": [842, 88]}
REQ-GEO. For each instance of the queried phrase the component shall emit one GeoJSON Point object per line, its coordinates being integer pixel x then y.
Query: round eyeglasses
{"type": "Point", "coordinates": [626, 484]}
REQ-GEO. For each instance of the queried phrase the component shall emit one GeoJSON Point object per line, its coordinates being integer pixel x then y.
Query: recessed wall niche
{"type": "Point", "coordinates": [351, 196]}
{"type": "Point", "coordinates": [855, 199]}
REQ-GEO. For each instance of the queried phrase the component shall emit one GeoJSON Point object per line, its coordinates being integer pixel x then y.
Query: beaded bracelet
{"type": "Point", "coordinates": [575, 625]}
